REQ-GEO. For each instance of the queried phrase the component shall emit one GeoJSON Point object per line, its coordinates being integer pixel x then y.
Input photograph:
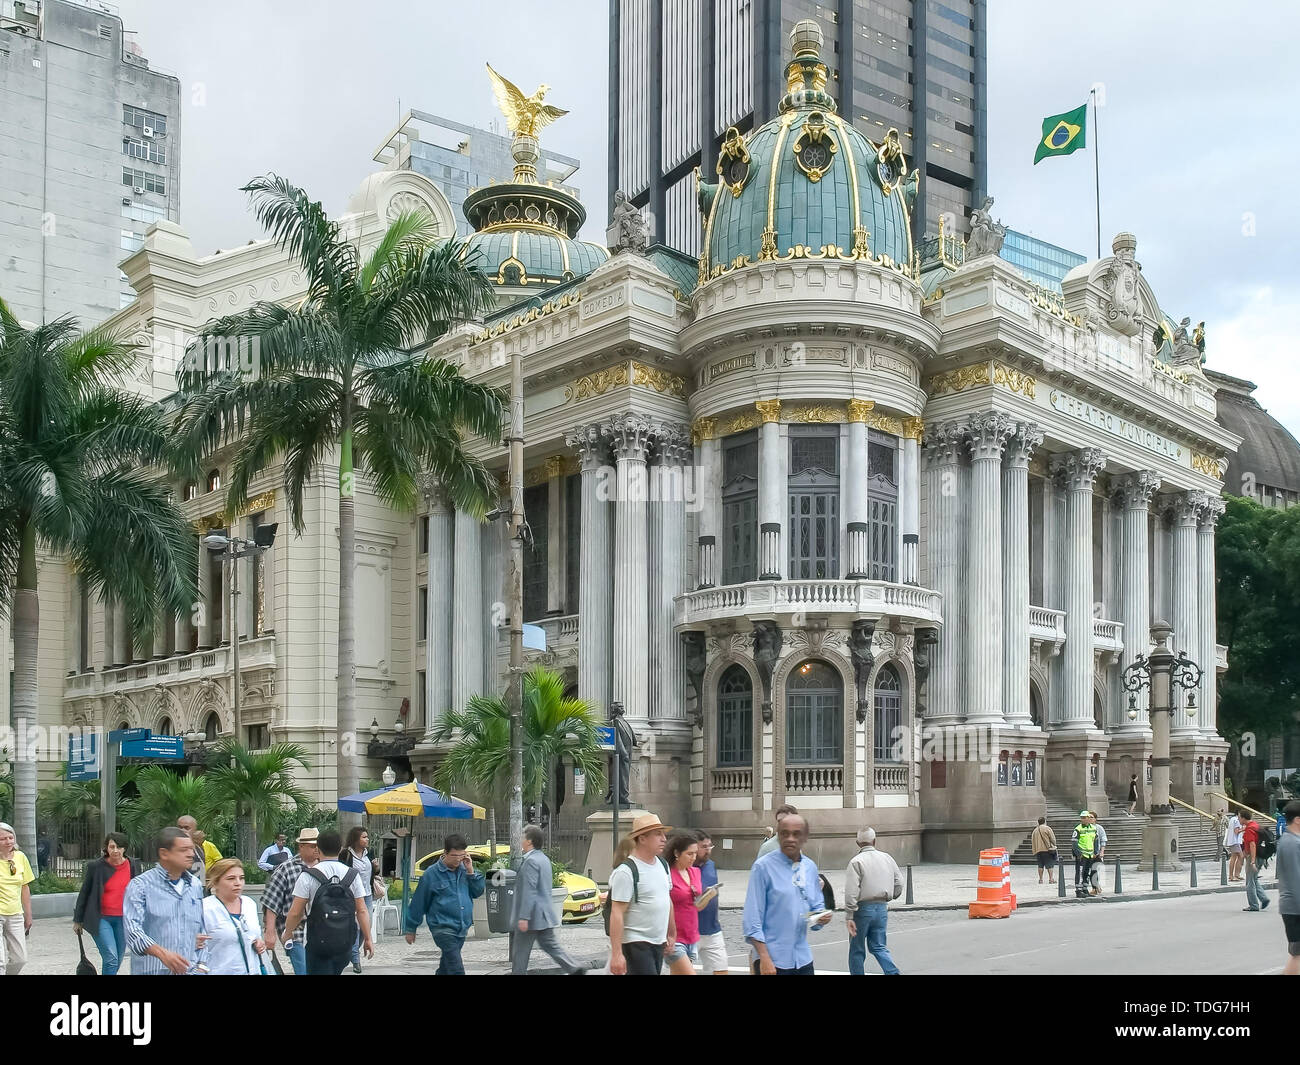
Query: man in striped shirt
{"type": "Point", "coordinates": [163, 911]}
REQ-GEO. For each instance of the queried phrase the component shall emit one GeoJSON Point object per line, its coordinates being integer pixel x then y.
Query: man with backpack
{"type": "Point", "coordinates": [444, 901]}
{"type": "Point", "coordinates": [1258, 845]}
{"type": "Point", "coordinates": [334, 898]}
{"type": "Point", "coordinates": [641, 922]}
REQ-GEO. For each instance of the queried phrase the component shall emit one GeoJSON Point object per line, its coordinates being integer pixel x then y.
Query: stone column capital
{"type": "Point", "coordinates": [589, 444]}
{"type": "Point", "coordinates": [433, 492]}
{"type": "Point", "coordinates": [1186, 507]}
{"type": "Point", "coordinates": [630, 435]}
{"type": "Point", "coordinates": [1024, 440]}
{"type": "Point", "coordinates": [1212, 511]}
{"type": "Point", "coordinates": [703, 429]}
{"type": "Point", "coordinates": [986, 434]}
{"type": "Point", "coordinates": [858, 409]}
{"type": "Point", "coordinates": [943, 443]}
{"type": "Point", "coordinates": [1077, 471]}
{"type": "Point", "coordinates": [769, 409]}
{"type": "Point", "coordinates": [672, 443]}
{"type": "Point", "coordinates": [1134, 491]}
{"type": "Point", "coordinates": [554, 467]}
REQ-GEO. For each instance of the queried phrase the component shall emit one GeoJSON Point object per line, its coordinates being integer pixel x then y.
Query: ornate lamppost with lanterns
{"type": "Point", "coordinates": [1161, 672]}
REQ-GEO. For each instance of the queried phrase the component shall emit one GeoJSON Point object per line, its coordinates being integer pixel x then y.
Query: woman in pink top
{"type": "Point", "coordinates": [684, 892]}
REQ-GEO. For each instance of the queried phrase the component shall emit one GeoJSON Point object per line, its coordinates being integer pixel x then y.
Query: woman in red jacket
{"type": "Point", "coordinates": [99, 905]}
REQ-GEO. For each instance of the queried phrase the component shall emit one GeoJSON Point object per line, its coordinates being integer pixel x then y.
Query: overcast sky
{"type": "Point", "coordinates": [1197, 157]}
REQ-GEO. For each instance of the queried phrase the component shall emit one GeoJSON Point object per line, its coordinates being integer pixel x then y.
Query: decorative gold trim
{"type": "Point", "coordinates": [766, 250]}
{"type": "Point", "coordinates": [1013, 380]}
{"type": "Point", "coordinates": [739, 424]}
{"type": "Point", "coordinates": [702, 430]}
{"type": "Point", "coordinates": [596, 384]}
{"type": "Point", "coordinates": [768, 409]}
{"type": "Point", "coordinates": [659, 380]}
{"type": "Point", "coordinates": [885, 423]}
{"type": "Point", "coordinates": [569, 299]}
{"type": "Point", "coordinates": [802, 251]}
{"type": "Point", "coordinates": [818, 414]}
{"type": "Point", "coordinates": [512, 261]}
{"type": "Point", "coordinates": [913, 428]}
{"type": "Point", "coordinates": [781, 135]}
{"type": "Point", "coordinates": [554, 466]}
{"type": "Point", "coordinates": [733, 147]}
{"type": "Point", "coordinates": [1169, 371]}
{"type": "Point", "coordinates": [859, 409]}
{"type": "Point", "coordinates": [960, 380]}
{"type": "Point", "coordinates": [1206, 464]}
{"type": "Point", "coordinates": [265, 501]}
{"type": "Point", "coordinates": [815, 131]}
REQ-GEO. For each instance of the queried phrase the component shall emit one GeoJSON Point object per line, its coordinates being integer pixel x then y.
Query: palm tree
{"type": "Point", "coordinates": [555, 727]}
{"type": "Point", "coordinates": [259, 782]}
{"type": "Point", "coordinates": [78, 473]}
{"type": "Point", "coordinates": [334, 372]}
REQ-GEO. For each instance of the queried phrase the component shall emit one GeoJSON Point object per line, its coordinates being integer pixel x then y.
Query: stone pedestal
{"type": "Point", "coordinates": [1068, 773]}
{"type": "Point", "coordinates": [604, 834]}
{"type": "Point", "coordinates": [1128, 754]}
{"type": "Point", "coordinates": [1184, 751]}
{"type": "Point", "coordinates": [1160, 837]}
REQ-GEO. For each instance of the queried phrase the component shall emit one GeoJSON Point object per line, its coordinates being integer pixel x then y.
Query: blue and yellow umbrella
{"type": "Point", "coordinates": [410, 800]}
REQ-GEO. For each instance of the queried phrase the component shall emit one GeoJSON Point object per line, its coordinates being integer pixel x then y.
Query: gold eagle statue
{"type": "Point", "coordinates": [525, 115]}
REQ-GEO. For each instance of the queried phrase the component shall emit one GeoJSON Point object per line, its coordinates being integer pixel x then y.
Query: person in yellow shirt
{"type": "Point", "coordinates": [205, 853]}
{"type": "Point", "coordinates": [15, 902]}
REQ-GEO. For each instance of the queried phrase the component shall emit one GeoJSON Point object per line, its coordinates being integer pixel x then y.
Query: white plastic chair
{"type": "Point", "coordinates": [383, 907]}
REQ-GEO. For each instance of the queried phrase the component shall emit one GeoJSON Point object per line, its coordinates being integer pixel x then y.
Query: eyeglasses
{"type": "Point", "coordinates": [13, 869]}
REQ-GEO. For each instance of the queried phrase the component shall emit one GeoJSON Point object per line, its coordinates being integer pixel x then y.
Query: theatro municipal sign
{"type": "Point", "coordinates": [1115, 425]}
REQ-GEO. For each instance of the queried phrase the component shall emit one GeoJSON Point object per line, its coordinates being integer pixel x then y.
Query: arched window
{"type": "Point", "coordinates": [1035, 706]}
{"type": "Point", "coordinates": [165, 727]}
{"type": "Point", "coordinates": [190, 491]}
{"type": "Point", "coordinates": [889, 715]}
{"type": "Point", "coordinates": [123, 724]}
{"type": "Point", "coordinates": [211, 727]}
{"type": "Point", "coordinates": [814, 731]}
{"type": "Point", "coordinates": [735, 718]}
{"type": "Point", "coordinates": [214, 480]}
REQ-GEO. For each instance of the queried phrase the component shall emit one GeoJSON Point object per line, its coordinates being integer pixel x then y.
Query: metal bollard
{"type": "Point", "coordinates": [908, 900]}
{"type": "Point", "coordinates": [1193, 884]}
{"type": "Point", "coordinates": [1223, 868]}
{"type": "Point", "coordinates": [1155, 872]}
{"type": "Point", "coordinates": [1119, 879]}
{"type": "Point", "coordinates": [1060, 878]}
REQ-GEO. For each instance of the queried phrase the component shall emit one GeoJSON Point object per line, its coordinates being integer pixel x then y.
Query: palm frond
{"type": "Point", "coordinates": [410, 230]}
{"type": "Point", "coordinates": [300, 226]}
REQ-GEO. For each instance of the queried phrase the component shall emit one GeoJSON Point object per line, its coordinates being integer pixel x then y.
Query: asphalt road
{"type": "Point", "coordinates": [1181, 936]}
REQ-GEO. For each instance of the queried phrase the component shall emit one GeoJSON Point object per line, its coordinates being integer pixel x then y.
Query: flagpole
{"type": "Point", "coordinates": [1096, 163]}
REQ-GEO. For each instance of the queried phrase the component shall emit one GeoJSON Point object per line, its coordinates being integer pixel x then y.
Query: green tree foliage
{"type": "Point", "coordinates": [1257, 551]}
{"type": "Point", "coordinates": [262, 782]}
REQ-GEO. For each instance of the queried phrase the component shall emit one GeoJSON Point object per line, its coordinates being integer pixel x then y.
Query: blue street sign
{"type": "Point", "coordinates": [606, 734]}
{"type": "Point", "coordinates": [83, 757]}
{"type": "Point", "coordinates": [126, 735]}
{"type": "Point", "coordinates": [154, 747]}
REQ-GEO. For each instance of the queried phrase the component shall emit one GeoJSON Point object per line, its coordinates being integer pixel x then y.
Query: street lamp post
{"type": "Point", "coordinates": [1161, 673]}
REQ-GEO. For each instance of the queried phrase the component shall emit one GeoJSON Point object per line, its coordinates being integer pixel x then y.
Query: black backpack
{"type": "Point", "coordinates": [1265, 846]}
{"type": "Point", "coordinates": [332, 921]}
{"type": "Point", "coordinates": [636, 877]}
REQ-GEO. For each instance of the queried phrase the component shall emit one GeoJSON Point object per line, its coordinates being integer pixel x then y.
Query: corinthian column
{"type": "Point", "coordinates": [1188, 508]}
{"type": "Point", "coordinates": [855, 492]}
{"type": "Point", "coordinates": [1134, 493]}
{"type": "Point", "coordinates": [944, 443]}
{"type": "Point", "coordinates": [1015, 572]}
{"type": "Point", "coordinates": [771, 493]}
{"type": "Point", "coordinates": [1206, 716]}
{"type": "Point", "coordinates": [710, 502]}
{"type": "Point", "coordinates": [1078, 472]}
{"type": "Point", "coordinates": [595, 600]}
{"type": "Point", "coordinates": [630, 436]}
{"type": "Point", "coordinates": [986, 436]}
{"type": "Point", "coordinates": [467, 611]}
{"type": "Point", "coordinates": [667, 571]}
{"type": "Point", "coordinates": [437, 646]}
{"type": "Point", "coordinates": [909, 503]}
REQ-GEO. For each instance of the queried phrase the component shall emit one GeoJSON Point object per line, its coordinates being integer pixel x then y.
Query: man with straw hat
{"type": "Point", "coordinates": [641, 916]}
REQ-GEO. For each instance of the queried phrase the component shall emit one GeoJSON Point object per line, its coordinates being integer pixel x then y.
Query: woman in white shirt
{"type": "Point", "coordinates": [233, 946]}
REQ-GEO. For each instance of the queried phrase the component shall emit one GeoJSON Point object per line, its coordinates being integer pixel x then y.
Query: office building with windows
{"type": "Point", "coordinates": [460, 158]}
{"type": "Point", "coordinates": [91, 157]}
{"type": "Point", "coordinates": [682, 73]}
{"type": "Point", "coordinates": [1042, 263]}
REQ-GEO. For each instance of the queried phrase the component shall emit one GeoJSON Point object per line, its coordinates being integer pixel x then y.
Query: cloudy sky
{"type": "Point", "coordinates": [1196, 154]}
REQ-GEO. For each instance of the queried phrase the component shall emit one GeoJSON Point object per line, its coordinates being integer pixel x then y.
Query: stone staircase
{"type": "Point", "coordinates": [1196, 835]}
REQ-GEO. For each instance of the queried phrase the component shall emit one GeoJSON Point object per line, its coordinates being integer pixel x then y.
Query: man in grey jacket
{"type": "Point", "coordinates": [533, 915]}
{"type": "Point", "coordinates": [872, 881]}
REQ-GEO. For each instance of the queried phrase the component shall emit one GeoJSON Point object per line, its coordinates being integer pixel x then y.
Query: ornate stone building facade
{"type": "Point", "coordinates": [842, 522]}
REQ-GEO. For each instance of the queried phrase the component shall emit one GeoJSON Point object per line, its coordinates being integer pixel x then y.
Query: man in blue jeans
{"type": "Point", "coordinates": [444, 902]}
{"type": "Point", "coordinates": [872, 880]}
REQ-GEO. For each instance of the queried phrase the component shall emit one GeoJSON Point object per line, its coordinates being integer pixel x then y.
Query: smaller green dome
{"type": "Point", "coordinates": [532, 256]}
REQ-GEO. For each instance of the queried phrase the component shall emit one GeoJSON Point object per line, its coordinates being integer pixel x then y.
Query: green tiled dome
{"type": "Point", "coordinates": [807, 180]}
{"type": "Point", "coordinates": [529, 256]}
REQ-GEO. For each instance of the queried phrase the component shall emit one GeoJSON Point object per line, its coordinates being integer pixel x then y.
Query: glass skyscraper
{"type": "Point", "coordinates": [1042, 263]}
{"type": "Point", "coordinates": [683, 71]}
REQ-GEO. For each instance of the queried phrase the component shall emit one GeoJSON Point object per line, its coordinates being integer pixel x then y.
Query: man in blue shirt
{"type": "Point", "coordinates": [443, 901]}
{"type": "Point", "coordinates": [784, 892]}
{"type": "Point", "coordinates": [163, 911]}
{"type": "Point", "coordinates": [276, 853]}
{"type": "Point", "coordinates": [713, 950]}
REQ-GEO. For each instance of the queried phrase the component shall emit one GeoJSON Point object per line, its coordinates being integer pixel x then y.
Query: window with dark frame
{"type": "Point", "coordinates": [536, 560]}
{"type": "Point", "coordinates": [882, 506]}
{"type": "Point", "coordinates": [572, 540]}
{"type": "Point", "coordinates": [889, 715]}
{"type": "Point", "coordinates": [735, 719]}
{"type": "Point", "coordinates": [814, 502]}
{"type": "Point", "coordinates": [814, 716]}
{"type": "Point", "coordinates": [422, 623]}
{"type": "Point", "coordinates": [740, 508]}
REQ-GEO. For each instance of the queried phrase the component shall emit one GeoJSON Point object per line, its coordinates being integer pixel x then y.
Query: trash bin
{"type": "Point", "coordinates": [500, 896]}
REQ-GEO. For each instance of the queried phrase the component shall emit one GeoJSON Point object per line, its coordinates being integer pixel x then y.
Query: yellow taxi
{"type": "Point", "coordinates": [582, 903]}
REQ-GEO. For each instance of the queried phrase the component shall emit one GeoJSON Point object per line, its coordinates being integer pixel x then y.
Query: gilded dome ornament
{"type": "Point", "coordinates": [525, 115]}
{"type": "Point", "coordinates": [891, 164]}
{"type": "Point", "coordinates": [815, 147]}
{"type": "Point", "coordinates": [733, 161]}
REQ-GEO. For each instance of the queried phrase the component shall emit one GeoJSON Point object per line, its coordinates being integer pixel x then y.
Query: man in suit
{"type": "Point", "coordinates": [533, 914]}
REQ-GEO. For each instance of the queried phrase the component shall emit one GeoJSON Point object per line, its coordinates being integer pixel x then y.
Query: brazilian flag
{"type": "Point", "coordinates": [1063, 134]}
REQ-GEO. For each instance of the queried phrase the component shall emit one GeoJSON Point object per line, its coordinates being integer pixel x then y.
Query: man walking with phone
{"type": "Point", "coordinates": [444, 901]}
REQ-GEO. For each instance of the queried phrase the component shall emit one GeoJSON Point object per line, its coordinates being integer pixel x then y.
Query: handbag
{"type": "Point", "coordinates": [85, 967]}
